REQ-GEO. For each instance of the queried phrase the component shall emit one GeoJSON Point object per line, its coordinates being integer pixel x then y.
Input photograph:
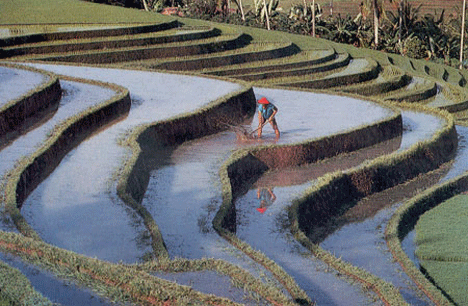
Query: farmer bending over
{"type": "Point", "coordinates": [266, 113]}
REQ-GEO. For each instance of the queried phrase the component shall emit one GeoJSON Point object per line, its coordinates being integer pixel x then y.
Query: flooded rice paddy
{"type": "Point", "coordinates": [77, 208]}
{"type": "Point", "coordinates": [10, 77]}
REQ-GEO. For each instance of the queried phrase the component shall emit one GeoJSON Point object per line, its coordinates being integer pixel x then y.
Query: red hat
{"type": "Point", "coordinates": [263, 101]}
{"type": "Point", "coordinates": [261, 209]}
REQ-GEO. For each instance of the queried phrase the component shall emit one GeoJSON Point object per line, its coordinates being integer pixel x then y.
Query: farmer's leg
{"type": "Point", "coordinates": [261, 120]}
{"type": "Point", "coordinates": [274, 125]}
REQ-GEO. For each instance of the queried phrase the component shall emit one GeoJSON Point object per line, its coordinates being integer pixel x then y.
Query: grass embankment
{"type": "Point", "coordinates": [115, 281]}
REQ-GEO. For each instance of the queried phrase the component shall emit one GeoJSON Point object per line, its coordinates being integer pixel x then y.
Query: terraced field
{"type": "Point", "coordinates": [126, 179]}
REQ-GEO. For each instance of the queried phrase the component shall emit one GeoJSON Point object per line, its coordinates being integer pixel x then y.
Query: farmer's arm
{"type": "Point", "coordinates": [275, 110]}
{"type": "Point", "coordinates": [272, 195]}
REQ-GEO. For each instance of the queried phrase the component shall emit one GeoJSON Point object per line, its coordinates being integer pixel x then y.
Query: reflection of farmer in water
{"type": "Point", "coordinates": [266, 113]}
{"type": "Point", "coordinates": [266, 197]}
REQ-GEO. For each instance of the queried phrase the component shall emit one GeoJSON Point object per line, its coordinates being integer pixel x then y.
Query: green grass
{"type": "Point", "coordinates": [70, 11]}
{"type": "Point", "coordinates": [442, 232]}
{"type": "Point", "coordinates": [442, 246]}
{"type": "Point", "coordinates": [450, 277]}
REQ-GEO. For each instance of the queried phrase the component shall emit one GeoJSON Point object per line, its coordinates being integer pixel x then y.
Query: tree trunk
{"type": "Point", "coordinates": [462, 34]}
{"type": "Point", "coordinates": [376, 23]}
{"type": "Point", "coordinates": [266, 15]}
{"type": "Point", "coordinates": [145, 4]}
{"type": "Point", "coordinates": [313, 18]}
{"type": "Point", "coordinates": [400, 20]}
{"type": "Point", "coordinates": [242, 10]}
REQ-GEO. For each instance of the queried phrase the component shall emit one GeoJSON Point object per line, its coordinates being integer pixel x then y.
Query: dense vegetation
{"type": "Point", "coordinates": [435, 38]}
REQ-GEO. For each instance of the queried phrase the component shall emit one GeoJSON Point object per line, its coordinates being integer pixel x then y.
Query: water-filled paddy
{"type": "Point", "coordinates": [184, 192]}
{"type": "Point", "coordinates": [14, 83]}
{"type": "Point", "coordinates": [77, 97]}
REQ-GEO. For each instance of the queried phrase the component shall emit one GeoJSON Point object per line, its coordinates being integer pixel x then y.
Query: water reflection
{"type": "Point", "coordinates": [265, 197]}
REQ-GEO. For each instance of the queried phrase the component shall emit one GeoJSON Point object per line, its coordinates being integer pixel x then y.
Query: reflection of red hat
{"type": "Point", "coordinates": [261, 209]}
{"type": "Point", "coordinates": [263, 101]}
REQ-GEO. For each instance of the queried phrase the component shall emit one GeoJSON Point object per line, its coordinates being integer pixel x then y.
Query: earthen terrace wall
{"type": "Point", "coordinates": [339, 190]}
{"type": "Point", "coordinates": [15, 113]}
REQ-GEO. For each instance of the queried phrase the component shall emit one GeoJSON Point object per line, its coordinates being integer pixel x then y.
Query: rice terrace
{"type": "Point", "coordinates": [130, 172]}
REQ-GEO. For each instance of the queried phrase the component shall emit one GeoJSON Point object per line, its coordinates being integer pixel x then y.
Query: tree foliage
{"type": "Point", "coordinates": [404, 32]}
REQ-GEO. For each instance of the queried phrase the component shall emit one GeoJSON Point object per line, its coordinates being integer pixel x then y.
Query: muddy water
{"type": "Point", "coordinates": [16, 82]}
